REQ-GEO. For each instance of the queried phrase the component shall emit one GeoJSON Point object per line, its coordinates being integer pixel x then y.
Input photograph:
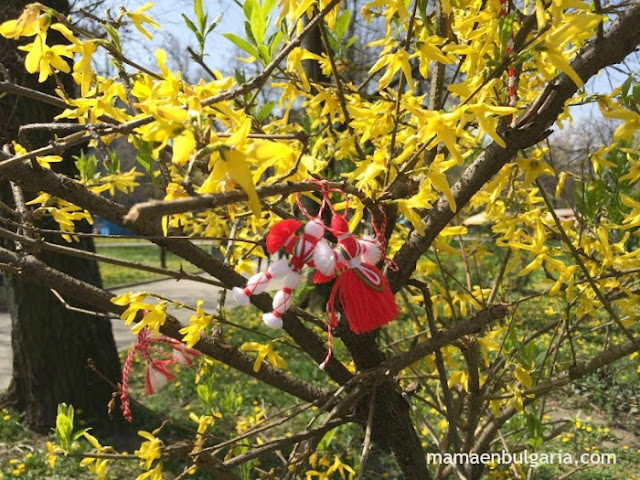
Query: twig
{"type": "Point", "coordinates": [200, 61]}
{"type": "Point", "coordinates": [74, 252]}
{"type": "Point", "coordinates": [574, 253]}
{"type": "Point", "coordinates": [366, 445]}
{"type": "Point", "coordinates": [442, 372]}
{"type": "Point", "coordinates": [157, 208]}
{"type": "Point", "coordinates": [341, 97]}
{"type": "Point", "coordinates": [82, 310]}
{"type": "Point", "coordinates": [283, 442]}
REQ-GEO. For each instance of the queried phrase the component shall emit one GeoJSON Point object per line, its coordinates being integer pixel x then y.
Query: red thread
{"type": "Point", "coordinates": [143, 347]}
{"type": "Point", "coordinates": [511, 71]}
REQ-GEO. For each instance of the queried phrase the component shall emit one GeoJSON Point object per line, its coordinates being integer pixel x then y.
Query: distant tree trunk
{"type": "Point", "coordinates": [51, 344]}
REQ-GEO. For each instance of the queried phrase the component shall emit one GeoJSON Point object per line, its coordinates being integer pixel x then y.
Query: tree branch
{"type": "Point", "coordinates": [37, 179]}
{"type": "Point", "coordinates": [39, 272]}
{"type": "Point", "coordinates": [530, 127]}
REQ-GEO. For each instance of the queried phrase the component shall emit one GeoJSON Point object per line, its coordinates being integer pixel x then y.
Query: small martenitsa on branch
{"type": "Point", "coordinates": [360, 286]}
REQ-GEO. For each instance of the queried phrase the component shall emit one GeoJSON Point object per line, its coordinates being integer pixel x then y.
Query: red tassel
{"type": "Point", "coordinates": [365, 307]}
{"type": "Point", "coordinates": [280, 233]}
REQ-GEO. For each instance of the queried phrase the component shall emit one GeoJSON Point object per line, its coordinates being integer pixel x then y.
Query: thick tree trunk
{"type": "Point", "coordinates": [51, 344]}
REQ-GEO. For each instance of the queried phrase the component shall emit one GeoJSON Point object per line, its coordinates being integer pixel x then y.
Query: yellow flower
{"type": "Point", "coordinates": [197, 325]}
{"type": "Point", "coordinates": [264, 352]}
{"type": "Point", "coordinates": [204, 422]}
{"type": "Point", "coordinates": [340, 467]}
{"type": "Point", "coordinates": [395, 61]}
{"type": "Point", "coordinates": [634, 171]}
{"type": "Point", "coordinates": [294, 64]}
{"type": "Point", "coordinates": [534, 167]}
{"type": "Point", "coordinates": [52, 451]}
{"type": "Point", "coordinates": [47, 159]}
{"type": "Point", "coordinates": [83, 74]}
{"type": "Point", "coordinates": [63, 212]}
{"type": "Point", "coordinates": [44, 59]}
{"type": "Point", "coordinates": [150, 450]}
{"type": "Point", "coordinates": [183, 146]}
{"type": "Point", "coordinates": [138, 18]}
{"type": "Point", "coordinates": [124, 182]}
{"type": "Point", "coordinates": [26, 25]}
{"type": "Point", "coordinates": [154, 317]}
{"type": "Point", "coordinates": [231, 162]}
{"type": "Point", "coordinates": [153, 474]}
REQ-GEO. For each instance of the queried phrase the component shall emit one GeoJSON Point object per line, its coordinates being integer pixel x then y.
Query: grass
{"type": "Point", "coordinates": [146, 253]}
{"type": "Point", "coordinates": [241, 400]}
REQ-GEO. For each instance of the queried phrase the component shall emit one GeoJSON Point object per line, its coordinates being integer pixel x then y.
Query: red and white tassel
{"type": "Point", "coordinates": [183, 354]}
{"type": "Point", "coordinates": [157, 375]}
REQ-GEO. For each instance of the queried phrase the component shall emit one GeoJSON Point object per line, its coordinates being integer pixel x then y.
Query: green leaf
{"type": "Point", "coordinates": [274, 41]}
{"type": "Point", "coordinates": [268, 6]}
{"type": "Point", "coordinates": [80, 433]}
{"type": "Point", "coordinates": [199, 11]}
{"type": "Point", "coordinates": [264, 53]}
{"type": "Point", "coordinates": [144, 157]}
{"type": "Point", "coordinates": [342, 24]}
{"type": "Point", "coordinates": [243, 44]}
{"type": "Point", "coordinates": [247, 8]}
{"type": "Point", "coordinates": [239, 76]}
{"type": "Point", "coordinates": [284, 28]}
{"type": "Point", "coordinates": [505, 30]}
{"type": "Point", "coordinates": [200, 39]}
{"type": "Point", "coordinates": [258, 23]}
{"type": "Point", "coordinates": [87, 166]}
{"type": "Point", "coordinates": [351, 41]}
{"type": "Point", "coordinates": [190, 25]}
{"type": "Point", "coordinates": [114, 35]}
{"type": "Point", "coordinates": [113, 162]}
{"type": "Point", "coordinates": [265, 111]}
{"type": "Point", "coordinates": [214, 24]}
{"type": "Point", "coordinates": [249, 33]}
{"type": "Point", "coordinates": [422, 8]}
{"type": "Point", "coordinates": [64, 426]}
{"type": "Point", "coordinates": [327, 439]}
{"type": "Point", "coordinates": [333, 41]}
{"type": "Point", "coordinates": [204, 394]}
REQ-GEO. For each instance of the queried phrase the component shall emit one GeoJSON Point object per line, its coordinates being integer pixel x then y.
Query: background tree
{"type": "Point", "coordinates": [51, 343]}
{"type": "Point", "coordinates": [469, 364]}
